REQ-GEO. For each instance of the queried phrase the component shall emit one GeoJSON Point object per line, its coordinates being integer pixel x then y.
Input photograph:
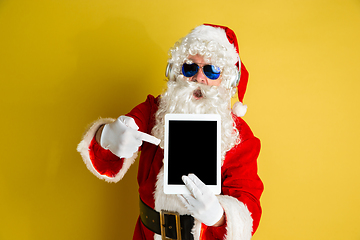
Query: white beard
{"type": "Point", "coordinates": [179, 98]}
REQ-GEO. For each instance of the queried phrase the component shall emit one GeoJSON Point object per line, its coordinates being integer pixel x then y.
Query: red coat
{"type": "Point", "coordinates": [241, 186]}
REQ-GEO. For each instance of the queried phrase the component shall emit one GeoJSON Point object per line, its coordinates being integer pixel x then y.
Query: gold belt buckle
{"type": "Point", "coordinates": [162, 224]}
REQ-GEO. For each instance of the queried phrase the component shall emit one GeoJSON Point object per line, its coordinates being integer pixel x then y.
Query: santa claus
{"type": "Point", "coordinates": [204, 71]}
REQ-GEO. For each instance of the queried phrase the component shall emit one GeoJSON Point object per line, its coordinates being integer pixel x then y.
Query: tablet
{"type": "Point", "coordinates": [192, 144]}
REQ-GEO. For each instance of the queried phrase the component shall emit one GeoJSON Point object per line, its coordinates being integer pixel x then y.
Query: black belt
{"type": "Point", "coordinates": [167, 223]}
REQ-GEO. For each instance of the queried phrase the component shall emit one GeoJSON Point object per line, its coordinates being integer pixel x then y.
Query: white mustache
{"type": "Point", "coordinates": [187, 88]}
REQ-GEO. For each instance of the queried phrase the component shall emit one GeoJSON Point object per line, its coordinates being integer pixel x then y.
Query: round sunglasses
{"type": "Point", "coordinates": [212, 72]}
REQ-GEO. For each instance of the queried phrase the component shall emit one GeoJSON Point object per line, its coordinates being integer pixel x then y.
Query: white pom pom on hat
{"type": "Point", "coordinates": [239, 109]}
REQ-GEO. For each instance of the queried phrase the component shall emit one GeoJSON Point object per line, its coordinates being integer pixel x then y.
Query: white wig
{"type": "Point", "coordinates": [213, 45]}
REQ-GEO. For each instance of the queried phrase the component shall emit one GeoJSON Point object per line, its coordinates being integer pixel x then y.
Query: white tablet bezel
{"type": "Point", "coordinates": [181, 189]}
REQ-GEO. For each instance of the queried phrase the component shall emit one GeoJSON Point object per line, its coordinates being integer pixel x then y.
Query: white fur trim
{"type": "Point", "coordinates": [238, 218]}
{"type": "Point", "coordinates": [83, 149]}
{"type": "Point", "coordinates": [239, 109]}
{"type": "Point", "coordinates": [218, 35]}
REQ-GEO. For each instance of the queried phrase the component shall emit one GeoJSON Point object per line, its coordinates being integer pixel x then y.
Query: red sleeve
{"type": "Point", "coordinates": [240, 179]}
{"type": "Point", "coordinates": [104, 161]}
{"type": "Point", "coordinates": [144, 113]}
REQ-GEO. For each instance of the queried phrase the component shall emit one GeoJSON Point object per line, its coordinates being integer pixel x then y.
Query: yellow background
{"type": "Point", "coordinates": [63, 64]}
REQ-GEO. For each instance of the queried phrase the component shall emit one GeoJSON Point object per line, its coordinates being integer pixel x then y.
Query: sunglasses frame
{"type": "Point", "coordinates": [202, 67]}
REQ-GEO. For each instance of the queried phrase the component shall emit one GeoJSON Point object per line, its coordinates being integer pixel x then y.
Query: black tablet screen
{"type": "Point", "coordinates": [192, 149]}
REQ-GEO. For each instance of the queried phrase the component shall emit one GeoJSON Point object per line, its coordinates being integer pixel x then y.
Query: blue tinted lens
{"type": "Point", "coordinates": [190, 70]}
{"type": "Point", "coordinates": [211, 71]}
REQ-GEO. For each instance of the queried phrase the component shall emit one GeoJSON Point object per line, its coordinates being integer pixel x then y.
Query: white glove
{"type": "Point", "coordinates": [122, 138]}
{"type": "Point", "coordinates": [202, 204]}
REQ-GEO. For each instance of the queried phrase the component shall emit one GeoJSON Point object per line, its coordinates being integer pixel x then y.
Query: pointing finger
{"type": "Point", "coordinates": [148, 138]}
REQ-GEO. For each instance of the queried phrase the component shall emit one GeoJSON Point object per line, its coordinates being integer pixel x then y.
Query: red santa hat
{"type": "Point", "coordinates": [227, 38]}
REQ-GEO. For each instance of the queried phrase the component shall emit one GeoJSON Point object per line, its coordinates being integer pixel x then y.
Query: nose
{"type": "Point", "coordinates": [200, 77]}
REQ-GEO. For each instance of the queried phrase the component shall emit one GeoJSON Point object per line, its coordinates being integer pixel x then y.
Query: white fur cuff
{"type": "Point", "coordinates": [83, 149]}
{"type": "Point", "coordinates": [238, 218]}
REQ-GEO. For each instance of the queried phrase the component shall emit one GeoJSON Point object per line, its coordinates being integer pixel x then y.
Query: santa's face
{"type": "Point", "coordinates": [190, 95]}
{"type": "Point", "coordinates": [200, 77]}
